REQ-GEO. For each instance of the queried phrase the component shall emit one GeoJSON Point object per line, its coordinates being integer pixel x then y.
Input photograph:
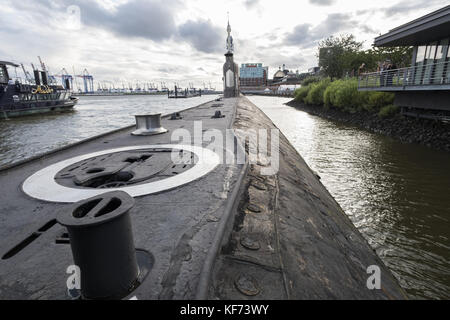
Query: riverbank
{"type": "Point", "coordinates": [431, 133]}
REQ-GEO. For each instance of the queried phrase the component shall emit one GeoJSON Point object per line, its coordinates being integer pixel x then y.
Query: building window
{"type": "Point", "coordinates": [439, 77]}
{"type": "Point", "coordinates": [441, 49]}
{"type": "Point", "coordinates": [431, 51]}
{"type": "Point", "coordinates": [420, 54]}
{"type": "Point", "coordinates": [3, 74]}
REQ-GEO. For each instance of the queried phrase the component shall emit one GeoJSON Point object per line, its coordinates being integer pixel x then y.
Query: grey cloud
{"type": "Point", "coordinates": [251, 3]}
{"type": "Point", "coordinates": [405, 7]}
{"type": "Point", "coordinates": [136, 18]}
{"type": "Point", "coordinates": [170, 70]}
{"type": "Point", "coordinates": [302, 34]}
{"type": "Point", "coordinates": [202, 35]}
{"type": "Point", "coordinates": [367, 29]}
{"type": "Point", "coordinates": [322, 2]}
{"type": "Point", "coordinates": [151, 19]}
{"type": "Point", "coordinates": [306, 35]}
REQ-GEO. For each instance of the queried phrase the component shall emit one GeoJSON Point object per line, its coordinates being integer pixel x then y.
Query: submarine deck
{"type": "Point", "coordinates": [230, 234]}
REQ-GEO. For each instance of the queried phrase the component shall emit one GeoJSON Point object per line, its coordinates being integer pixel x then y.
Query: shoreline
{"type": "Point", "coordinates": [430, 133]}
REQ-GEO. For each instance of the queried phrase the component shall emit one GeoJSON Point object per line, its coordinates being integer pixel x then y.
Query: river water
{"type": "Point", "coordinates": [23, 137]}
{"type": "Point", "coordinates": [398, 195]}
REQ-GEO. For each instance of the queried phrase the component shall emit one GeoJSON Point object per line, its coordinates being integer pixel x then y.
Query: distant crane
{"type": "Point", "coordinates": [28, 77]}
{"type": "Point", "coordinates": [163, 87]}
{"type": "Point", "coordinates": [66, 79]}
{"type": "Point", "coordinates": [88, 81]}
{"type": "Point", "coordinates": [50, 78]}
{"type": "Point", "coordinates": [42, 64]}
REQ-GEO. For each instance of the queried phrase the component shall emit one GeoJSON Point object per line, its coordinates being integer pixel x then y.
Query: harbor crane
{"type": "Point", "coordinates": [28, 77]}
{"type": "Point", "coordinates": [88, 81]}
{"type": "Point", "coordinates": [66, 79]}
{"type": "Point", "coordinates": [50, 78]}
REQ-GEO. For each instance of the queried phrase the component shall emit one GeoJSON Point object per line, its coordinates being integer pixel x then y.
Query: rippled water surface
{"type": "Point", "coordinates": [398, 195]}
{"type": "Point", "coordinates": [23, 137]}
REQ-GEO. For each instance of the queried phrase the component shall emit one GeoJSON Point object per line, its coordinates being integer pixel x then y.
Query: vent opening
{"type": "Point", "coordinates": [84, 209]}
{"type": "Point", "coordinates": [112, 205]}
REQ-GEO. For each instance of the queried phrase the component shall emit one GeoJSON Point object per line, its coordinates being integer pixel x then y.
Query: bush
{"type": "Point", "coordinates": [301, 93]}
{"type": "Point", "coordinates": [347, 96]}
{"type": "Point", "coordinates": [307, 81]}
{"type": "Point", "coordinates": [315, 94]}
{"type": "Point", "coordinates": [377, 100]}
{"type": "Point", "coordinates": [388, 111]}
{"type": "Point", "coordinates": [344, 94]}
{"type": "Point", "coordinates": [329, 96]}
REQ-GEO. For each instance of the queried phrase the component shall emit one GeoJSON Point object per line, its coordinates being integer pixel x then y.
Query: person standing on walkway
{"type": "Point", "coordinates": [382, 69]}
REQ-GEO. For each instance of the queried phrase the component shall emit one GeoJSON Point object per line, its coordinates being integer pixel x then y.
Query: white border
{"type": "Point", "coordinates": [42, 184]}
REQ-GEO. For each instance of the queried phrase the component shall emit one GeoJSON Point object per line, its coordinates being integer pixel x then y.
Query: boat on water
{"type": "Point", "coordinates": [184, 93]}
{"type": "Point", "coordinates": [32, 97]}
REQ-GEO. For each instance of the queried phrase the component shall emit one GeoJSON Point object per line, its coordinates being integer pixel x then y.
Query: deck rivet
{"type": "Point", "coordinates": [218, 114]}
{"type": "Point", "coordinates": [253, 208]}
{"type": "Point", "coordinates": [247, 285]}
{"type": "Point", "coordinates": [175, 116]}
{"type": "Point", "coordinates": [249, 243]}
{"type": "Point", "coordinates": [259, 185]}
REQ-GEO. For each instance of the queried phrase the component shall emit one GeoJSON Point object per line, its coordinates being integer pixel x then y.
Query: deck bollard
{"type": "Point", "coordinates": [102, 244]}
{"type": "Point", "coordinates": [148, 124]}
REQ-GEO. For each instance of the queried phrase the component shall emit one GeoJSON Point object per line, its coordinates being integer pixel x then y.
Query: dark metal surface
{"type": "Point", "coordinates": [205, 242]}
{"type": "Point", "coordinates": [177, 227]}
{"type": "Point", "coordinates": [102, 244]}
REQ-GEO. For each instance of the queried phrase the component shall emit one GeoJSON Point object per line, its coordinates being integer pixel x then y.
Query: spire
{"type": "Point", "coordinates": [230, 45]}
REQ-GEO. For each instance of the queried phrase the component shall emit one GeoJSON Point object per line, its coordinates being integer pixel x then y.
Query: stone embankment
{"type": "Point", "coordinates": [431, 133]}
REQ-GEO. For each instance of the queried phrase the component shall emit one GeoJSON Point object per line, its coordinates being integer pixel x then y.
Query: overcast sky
{"type": "Point", "coordinates": [184, 41]}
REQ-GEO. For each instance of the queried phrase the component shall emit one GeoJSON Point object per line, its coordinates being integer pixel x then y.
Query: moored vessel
{"type": "Point", "coordinates": [19, 98]}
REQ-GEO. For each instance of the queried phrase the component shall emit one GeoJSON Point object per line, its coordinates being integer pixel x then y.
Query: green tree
{"type": "Point", "coordinates": [338, 55]}
{"type": "Point", "coordinates": [400, 56]}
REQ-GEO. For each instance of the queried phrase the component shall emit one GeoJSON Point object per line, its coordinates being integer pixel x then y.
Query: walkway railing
{"type": "Point", "coordinates": [433, 74]}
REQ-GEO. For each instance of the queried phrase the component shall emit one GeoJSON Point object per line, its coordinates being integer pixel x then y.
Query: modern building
{"type": "Point", "coordinates": [425, 85]}
{"type": "Point", "coordinates": [253, 75]}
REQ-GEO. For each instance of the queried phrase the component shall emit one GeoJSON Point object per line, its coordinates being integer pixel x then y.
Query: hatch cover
{"type": "Point", "coordinates": [137, 170]}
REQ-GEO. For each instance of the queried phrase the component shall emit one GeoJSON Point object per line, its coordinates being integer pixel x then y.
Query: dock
{"type": "Point", "coordinates": [221, 231]}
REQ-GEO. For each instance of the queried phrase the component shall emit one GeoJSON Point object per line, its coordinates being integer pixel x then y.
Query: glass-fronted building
{"type": "Point", "coordinates": [253, 75]}
{"type": "Point", "coordinates": [426, 83]}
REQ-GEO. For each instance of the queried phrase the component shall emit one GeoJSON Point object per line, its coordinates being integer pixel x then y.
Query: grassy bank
{"type": "Point", "coordinates": [374, 111]}
{"type": "Point", "coordinates": [344, 95]}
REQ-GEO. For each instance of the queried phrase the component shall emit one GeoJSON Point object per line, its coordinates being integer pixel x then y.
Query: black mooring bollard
{"type": "Point", "coordinates": [102, 244]}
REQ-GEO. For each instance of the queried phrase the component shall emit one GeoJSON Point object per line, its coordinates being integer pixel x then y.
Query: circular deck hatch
{"type": "Point", "coordinates": [137, 170]}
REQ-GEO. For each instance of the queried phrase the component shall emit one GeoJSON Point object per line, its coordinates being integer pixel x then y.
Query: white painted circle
{"type": "Point", "coordinates": [42, 184]}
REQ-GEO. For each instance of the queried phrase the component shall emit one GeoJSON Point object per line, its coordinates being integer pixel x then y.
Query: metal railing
{"type": "Point", "coordinates": [421, 75]}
